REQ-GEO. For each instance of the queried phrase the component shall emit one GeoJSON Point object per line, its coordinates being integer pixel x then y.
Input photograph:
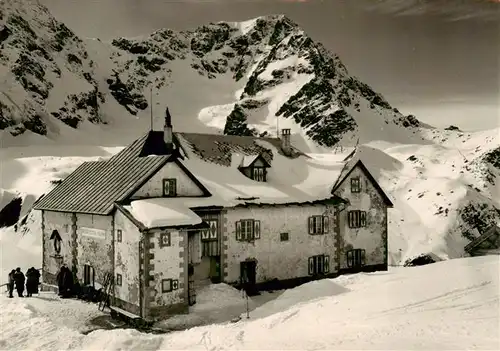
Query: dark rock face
{"type": "Point", "coordinates": [9, 215]}
{"type": "Point", "coordinates": [215, 51]}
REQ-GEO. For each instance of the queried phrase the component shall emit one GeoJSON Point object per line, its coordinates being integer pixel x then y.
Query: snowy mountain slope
{"type": "Point", "coordinates": [234, 77]}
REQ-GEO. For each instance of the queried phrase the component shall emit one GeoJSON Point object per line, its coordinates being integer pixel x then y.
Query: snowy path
{"type": "Point", "coordinates": [451, 305]}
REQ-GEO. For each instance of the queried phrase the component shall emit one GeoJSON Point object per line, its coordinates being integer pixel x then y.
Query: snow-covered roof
{"type": "Point", "coordinates": [289, 180]}
{"type": "Point", "coordinates": [162, 212]}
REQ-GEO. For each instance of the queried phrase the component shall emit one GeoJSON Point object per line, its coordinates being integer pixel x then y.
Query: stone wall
{"type": "Point", "coordinates": [167, 265]}
{"type": "Point", "coordinates": [277, 259]}
{"type": "Point", "coordinates": [154, 187]}
{"type": "Point", "coordinates": [127, 261]}
{"type": "Point", "coordinates": [373, 237]}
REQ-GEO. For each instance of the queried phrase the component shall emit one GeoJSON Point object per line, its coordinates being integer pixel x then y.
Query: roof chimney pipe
{"type": "Point", "coordinates": [286, 145]}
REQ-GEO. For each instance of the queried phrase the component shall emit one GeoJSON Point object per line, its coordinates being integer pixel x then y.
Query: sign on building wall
{"type": "Point", "coordinates": [92, 233]}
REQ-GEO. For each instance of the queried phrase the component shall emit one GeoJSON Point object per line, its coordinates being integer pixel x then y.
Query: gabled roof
{"type": "Point", "coordinates": [489, 233]}
{"type": "Point", "coordinates": [347, 171]}
{"type": "Point", "coordinates": [249, 160]}
{"type": "Point", "coordinates": [94, 187]}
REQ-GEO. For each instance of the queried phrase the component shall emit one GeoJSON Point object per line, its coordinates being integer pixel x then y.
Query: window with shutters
{"type": "Point", "coordinates": [356, 219]}
{"type": "Point", "coordinates": [169, 187]}
{"type": "Point", "coordinates": [211, 232]}
{"type": "Point", "coordinates": [319, 264]}
{"type": "Point", "coordinates": [355, 258]}
{"type": "Point", "coordinates": [355, 185]}
{"type": "Point", "coordinates": [318, 225]}
{"type": "Point", "coordinates": [247, 230]}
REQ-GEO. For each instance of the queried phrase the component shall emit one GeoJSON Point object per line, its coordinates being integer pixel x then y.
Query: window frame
{"type": "Point", "coordinates": [318, 224]}
{"type": "Point", "coordinates": [206, 234]}
{"type": "Point", "coordinates": [166, 289]}
{"type": "Point", "coordinates": [318, 265]}
{"type": "Point", "coordinates": [284, 236]}
{"type": "Point", "coordinates": [356, 219]}
{"type": "Point", "coordinates": [356, 185]}
{"type": "Point", "coordinates": [172, 185]}
{"type": "Point", "coordinates": [355, 255]}
{"type": "Point", "coordinates": [258, 173]}
{"type": "Point", "coordinates": [168, 240]}
{"type": "Point", "coordinates": [119, 279]}
{"type": "Point", "coordinates": [247, 230]}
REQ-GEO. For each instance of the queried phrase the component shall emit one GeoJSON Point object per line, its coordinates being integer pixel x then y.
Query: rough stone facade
{"type": "Point", "coordinates": [167, 262]}
{"type": "Point", "coordinates": [63, 223]}
{"type": "Point", "coordinates": [85, 239]}
{"type": "Point", "coordinates": [94, 238]}
{"type": "Point", "coordinates": [277, 259]}
{"type": "Point", "coordinates": [127, 263]}
{"type": "Point", "coordinates": [154, 187]}
{"type": "Point", "coordinates": [372, 237]}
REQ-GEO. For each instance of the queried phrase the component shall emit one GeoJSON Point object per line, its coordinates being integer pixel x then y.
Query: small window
{"type": "Point", "coordinates": [175, 284]}
{"type": "Point", "coordinates": [166, 285]}
{"type": "Point", "coordinates": [118, 279]}
{"type": "Point", "coordinates": [319, 264]}
{"type": "Point", "coordinates": [119, 235]}
{"type": "Point", "coordinates": [211, 233]}
{"type": "Point", "coordinates": [318, 225]}
{"type": "Point", "coordinates": [355, 185]}
{"type": "Point", "coordinates": [259, 174]}
{"type": "Point", "coordinates": [170, 187]}
{"type": "Point", "coordinates": [165, 239]}
{"type": "Point", "coordinates": [247, 230]}
{"type": "Point", "coordinates": [284, 237]}
{"type": "Point", "coordinates": [356, 219]}
{"type": "Point", "coordinates": [355, 258]}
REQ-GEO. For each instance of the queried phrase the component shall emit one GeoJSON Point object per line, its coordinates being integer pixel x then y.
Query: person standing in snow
{"type": "Point", "coordinates": [65, 281]}
{"type": "Point", "coordinates": [32, 277]}
{"type": "Point", "coordinates": [10, 284]}
{"type": "Point", "coordinates": [19, 281]}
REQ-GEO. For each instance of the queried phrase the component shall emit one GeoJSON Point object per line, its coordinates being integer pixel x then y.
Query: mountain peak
{"type": "Point", "coordinates": [237, 77]}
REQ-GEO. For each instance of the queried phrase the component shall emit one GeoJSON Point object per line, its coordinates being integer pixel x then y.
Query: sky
{"type": "Point", "coordinates": [436, 59]}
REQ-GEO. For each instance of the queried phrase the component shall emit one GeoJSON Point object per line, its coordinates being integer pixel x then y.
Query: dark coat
{"type": "Point", "coordinates": [65, 281]}
{"type": "Point", "coordinates": [32, 280]}
{"type": "Point", "coordinates": [19, 280]}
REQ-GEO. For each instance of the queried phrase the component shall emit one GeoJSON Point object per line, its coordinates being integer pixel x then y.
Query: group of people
{"type": "Point", "coordinates": [18, 280]}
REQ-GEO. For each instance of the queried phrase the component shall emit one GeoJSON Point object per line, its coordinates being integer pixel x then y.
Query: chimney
{"type": "Point", "coordinates": [167, 132]}
{"type": "Point", "coordinates": [286, 145]}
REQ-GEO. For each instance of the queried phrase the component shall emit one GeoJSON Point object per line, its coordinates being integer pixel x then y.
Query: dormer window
{"type": "Point", "coordinates": [254, 167]}
{"type": "Point", "coordinates": [259, 174]}
{"type": "Point", "coordinates": [169, 187]}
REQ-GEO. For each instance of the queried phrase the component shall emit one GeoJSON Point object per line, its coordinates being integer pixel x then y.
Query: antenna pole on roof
{"type": "Point", "coordinates": [277, 127]}
{"type": "Point", "coordinates": [151, 104]}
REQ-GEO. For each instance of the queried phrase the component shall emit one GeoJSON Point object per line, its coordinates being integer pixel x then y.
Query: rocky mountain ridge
{"type": "Point", "coordinates": [266, 63]}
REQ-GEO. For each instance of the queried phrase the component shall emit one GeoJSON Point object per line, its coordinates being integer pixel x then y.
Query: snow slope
{"type": "Point", "coordinates": [451, 305]}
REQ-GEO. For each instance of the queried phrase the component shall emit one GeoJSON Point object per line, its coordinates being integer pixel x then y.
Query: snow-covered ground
{"type": "Point", "coordinates": [451, 305]}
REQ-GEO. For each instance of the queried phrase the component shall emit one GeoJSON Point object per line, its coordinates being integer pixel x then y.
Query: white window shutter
{"type": "Point", "coordinates": [326, 224]}
{"type": "Point", "coordinates": [311, 225]}
{"type": "Point", "coordinates": [256, 229]}
{"type": "Point", "coordinates": [311, 265]}
{"type": "Point", "coordinates": [327, 264]}
{"type": "Point", "coordinates": [238, 231]}
{"type": "Point", "coordinates": [363, 257]}
{"type": "Point", "coordinates": [363, 219]}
